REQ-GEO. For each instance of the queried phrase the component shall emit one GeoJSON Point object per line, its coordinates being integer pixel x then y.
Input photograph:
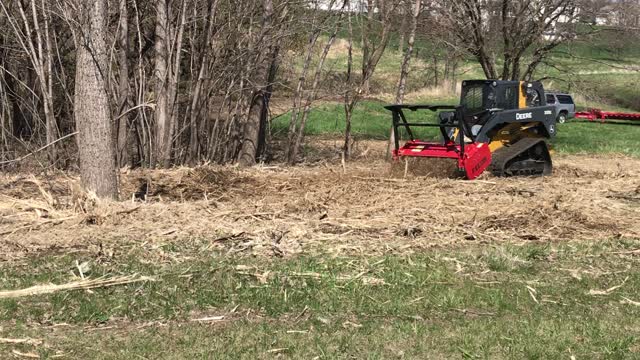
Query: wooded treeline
{"type": "Point", "coordinates": [190, 81]}
{"type": "Point", "coordinates": [186, 80]}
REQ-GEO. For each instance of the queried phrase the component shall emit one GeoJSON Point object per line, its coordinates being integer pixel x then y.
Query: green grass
{"type": "Point", "coordinates": [370, 121]}
{"type": "Point", "coordinates": [499, 302]}
{"type": "Point", "coordinates": [595, 138]}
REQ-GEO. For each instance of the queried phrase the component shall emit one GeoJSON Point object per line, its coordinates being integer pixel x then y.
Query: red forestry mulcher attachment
{"type": "Point", "coordinates": [473, 158]}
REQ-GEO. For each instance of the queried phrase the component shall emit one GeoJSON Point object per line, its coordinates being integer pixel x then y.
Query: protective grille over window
{"type": "Point", "coordinates": [473, 98]}
{"type": "Point", "coordinates": [508, 100]}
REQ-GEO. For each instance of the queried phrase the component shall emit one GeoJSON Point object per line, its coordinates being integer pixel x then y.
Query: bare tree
{"type": "Point", "coordinates": [254, 122]}
{"type": "Point", "coordinates": [406, 62]}
{"type": "Point", "coordinates": [91, 108]}
{"type": "Point", "coordinates": [300, 112]}
{"type": "Point", "coordinates": [354, 93]}
{"type": "Point", "coordinates": [168, 57]}
{"type": "Point", "coordinates": [197, 103]}
{"type": "Point", "coordinates": [32, 30]}
{"type": "Point", "coordinates": [520, 25]}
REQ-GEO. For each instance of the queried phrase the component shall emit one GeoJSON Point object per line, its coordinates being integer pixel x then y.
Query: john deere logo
{"type": "Point", "coordinates": [524, 116]}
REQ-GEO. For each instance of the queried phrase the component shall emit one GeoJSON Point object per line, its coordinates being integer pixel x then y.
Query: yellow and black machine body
{"type": "Point", "coordinates": [510, 118]}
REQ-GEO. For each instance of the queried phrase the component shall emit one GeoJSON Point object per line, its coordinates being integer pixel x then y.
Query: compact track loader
{"type": "Point", "coordinates": [500, 126]}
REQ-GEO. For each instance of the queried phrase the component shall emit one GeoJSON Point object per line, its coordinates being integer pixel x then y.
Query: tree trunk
{"type": "Point", "coordinates": [123, 86]}
{"type": "Point", "coordinates": [404, 71]}
{"type": "Point", "coordinates": [351, 97]}
{"type": "Point", "coordinates": [292, 134]}
{"type": "Point", "coordinates": [406, 62]}
{"type": "Point", "coordinates": [161, 78]}
{"type": "Point", "coordinates": [367, 45]}
{"type": "Point", "coordinates": [264, 115]}
{"type": "Point", "coordinates": [91, 104]}
{"type": "Point", "coordinates": [47, 66]}
{"type": "Point", "coordinates": [196, 103]}
{"type": "Point", "coordinates": [296, 145]}
{"type": "Point", "coordinates": [37, 45]}
{"type": "Point", "coordinates": [252, 129]}
{"type": "Point", "coordinates": [403, 26]}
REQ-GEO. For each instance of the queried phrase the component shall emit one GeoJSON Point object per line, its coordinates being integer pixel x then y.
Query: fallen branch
{"type": "Point", "coordinates": [609, 290]}
{"type": "Point", "coordinates": [629, 252]}
{"type": "Point", "coordinates": [76, 285]}
{"type": "Point", "coordinates": [210, 319]}
{"type": "Point", "coordinates": [20, 341]}
{"type": "Point", "coordinates": [26, 355]}
{"type": "Point", "coordinates": [629, 301]}
{"type": "Point", "coordinates": [127, 211]}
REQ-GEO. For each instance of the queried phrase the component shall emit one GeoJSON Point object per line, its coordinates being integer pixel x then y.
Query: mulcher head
{"type": "Point", "coordinates": [472, 158]}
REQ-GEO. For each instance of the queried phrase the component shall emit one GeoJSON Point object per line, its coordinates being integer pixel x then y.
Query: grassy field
{"type": "Point", "coordinates": [535, 301]}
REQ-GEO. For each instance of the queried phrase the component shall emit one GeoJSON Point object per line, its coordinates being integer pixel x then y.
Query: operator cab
{"type": "Point", "coordinates": [480, 99]}
{"type": "Point", "coordinates": [494, 95]}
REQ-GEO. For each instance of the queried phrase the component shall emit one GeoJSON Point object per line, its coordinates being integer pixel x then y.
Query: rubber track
{"type": "Point", "coordinates": [502, 156]}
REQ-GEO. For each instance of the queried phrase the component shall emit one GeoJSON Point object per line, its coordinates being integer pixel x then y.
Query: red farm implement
{"type": "Point", "coordinates": [605, 116]}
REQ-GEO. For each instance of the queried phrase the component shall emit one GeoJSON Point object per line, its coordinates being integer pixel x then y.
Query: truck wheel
{"type": "Point", "coordinates": [562, 118]}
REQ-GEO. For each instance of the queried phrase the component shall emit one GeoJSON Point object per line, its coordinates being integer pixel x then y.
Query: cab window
{"type": "Point", "coordinates": [533, 97]}
{"type": "Point", "coordinates": [508, 99]}
{"type": "Point", "coordinates": [473, 98]}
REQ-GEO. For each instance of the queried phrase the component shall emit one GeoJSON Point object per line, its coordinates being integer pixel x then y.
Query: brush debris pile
{"type": "Point", "coordinates": [363, 208]}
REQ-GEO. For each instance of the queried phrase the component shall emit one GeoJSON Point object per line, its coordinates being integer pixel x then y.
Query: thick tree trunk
{"type": "Point", "coordinates": [91, 104]}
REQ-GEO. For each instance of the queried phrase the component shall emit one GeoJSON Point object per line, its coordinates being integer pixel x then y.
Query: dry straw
{"type": "Point", "coordinates": [363, 207]}
{"type": "Point", "coordinates": [86, 284]}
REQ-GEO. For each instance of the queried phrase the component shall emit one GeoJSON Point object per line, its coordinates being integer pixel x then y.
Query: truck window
{"type": "Point", "coordinates": [551, 99]}
{"type": "Point", "coordinates": [565, 99]}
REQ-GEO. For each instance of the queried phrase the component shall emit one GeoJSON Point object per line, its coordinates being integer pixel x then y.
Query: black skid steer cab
{"type": "Point", "coordinates": [500, 126]}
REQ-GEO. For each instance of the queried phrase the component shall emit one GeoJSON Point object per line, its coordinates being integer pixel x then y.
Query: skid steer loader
{"type": "Point", "coordinates": [500, 126]}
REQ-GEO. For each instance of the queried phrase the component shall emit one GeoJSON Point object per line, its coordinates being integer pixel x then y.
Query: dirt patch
{"type": "Point", "coordinates": [365, 206]}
